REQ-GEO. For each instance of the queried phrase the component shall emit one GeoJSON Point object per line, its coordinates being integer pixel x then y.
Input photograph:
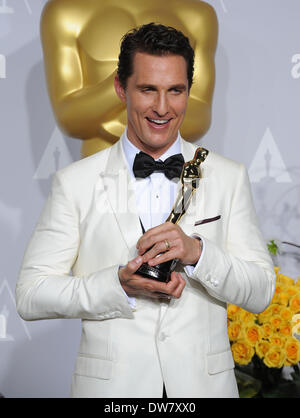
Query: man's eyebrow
{"type": "Point", "coordinates": [146, 86]}
{"type": "Point", "coordinates": [181, 87]}
{"type": "Point", "coordinates": [178, 87]}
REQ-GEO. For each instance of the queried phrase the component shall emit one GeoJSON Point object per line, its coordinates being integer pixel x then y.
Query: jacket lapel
{"type": "Point", "coordinates": [119, 189]}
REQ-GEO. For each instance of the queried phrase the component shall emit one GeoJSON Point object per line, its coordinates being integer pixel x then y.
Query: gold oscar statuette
{"type": "Point", "coordinates": [189, 178]}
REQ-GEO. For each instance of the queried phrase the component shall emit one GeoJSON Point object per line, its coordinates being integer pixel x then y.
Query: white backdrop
{"type": "Point", "coordinates": [255, 121]}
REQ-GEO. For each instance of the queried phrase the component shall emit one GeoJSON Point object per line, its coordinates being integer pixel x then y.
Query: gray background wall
{"type": "Point", "coordinates": [255, 121]}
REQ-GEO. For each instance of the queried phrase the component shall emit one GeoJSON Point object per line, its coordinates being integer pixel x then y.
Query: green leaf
{"type": "Point", "coordinates": [248, 386]}
{"type": "Point", "coordinates": [273, 247]}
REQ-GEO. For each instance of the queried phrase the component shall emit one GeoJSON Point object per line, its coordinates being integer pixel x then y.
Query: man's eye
{"type": "Point", "coordinates": [176, 91]}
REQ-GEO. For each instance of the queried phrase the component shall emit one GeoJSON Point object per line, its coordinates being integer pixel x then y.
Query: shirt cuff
{"type": "Point", "coordinates": [131, 300]}
{"type": "Point", "coordinates": [190, 269]}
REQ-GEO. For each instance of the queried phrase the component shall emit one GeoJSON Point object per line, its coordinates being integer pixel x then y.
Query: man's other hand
{"type": "Point", "coordinates": [136, 285]}
{"type": "Point", "coordinates": [169, 242]}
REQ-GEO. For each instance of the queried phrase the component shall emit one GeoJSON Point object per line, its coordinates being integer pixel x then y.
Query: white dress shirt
{"type": "Point", "coordinates": [155, 194]}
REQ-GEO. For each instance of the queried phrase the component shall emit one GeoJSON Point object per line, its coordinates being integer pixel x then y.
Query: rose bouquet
{"type": "Point", "coordinates": [262, 344]}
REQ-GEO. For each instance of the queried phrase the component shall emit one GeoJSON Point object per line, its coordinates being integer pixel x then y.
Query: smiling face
{"type": "Point", "coordinates": [156, 97]}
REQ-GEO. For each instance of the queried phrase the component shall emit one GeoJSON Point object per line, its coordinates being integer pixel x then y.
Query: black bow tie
{"type": "Point", "coordinates": [144, 165]}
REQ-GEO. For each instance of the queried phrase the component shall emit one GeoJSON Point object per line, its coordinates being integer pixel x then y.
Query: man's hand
{"type": "Point", "coordinates": [181, 246]}
{"type": "Point", "coordinates": [136, 285]}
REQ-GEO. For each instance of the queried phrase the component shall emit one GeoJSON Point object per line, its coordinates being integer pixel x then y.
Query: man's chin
{"type": "Point", "coordinates": [159, 146]}
{"type": "Point", "coordinates": [150, 140]}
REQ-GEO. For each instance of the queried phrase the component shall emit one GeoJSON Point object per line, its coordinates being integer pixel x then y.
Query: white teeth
{"type": "Point", "coordinates": [160, 122]}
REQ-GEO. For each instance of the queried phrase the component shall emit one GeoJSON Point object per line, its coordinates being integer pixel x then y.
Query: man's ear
{"type": "Point", "coordinates": [119, 89]}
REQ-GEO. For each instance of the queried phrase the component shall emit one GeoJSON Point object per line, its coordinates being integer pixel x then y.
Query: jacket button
{"type": "Point", "coordinates": [162, 336]}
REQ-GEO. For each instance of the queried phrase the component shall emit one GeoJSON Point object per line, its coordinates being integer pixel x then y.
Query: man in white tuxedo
{"type": "Point", "coordinates": [139, 334]}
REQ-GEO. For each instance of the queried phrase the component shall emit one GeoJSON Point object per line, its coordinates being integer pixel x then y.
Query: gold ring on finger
{"type": "Point", "coordinates": [167, 244]}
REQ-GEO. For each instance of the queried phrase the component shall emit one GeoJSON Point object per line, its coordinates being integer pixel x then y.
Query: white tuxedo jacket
{"type": "Point", "coordinates": [87, 227]}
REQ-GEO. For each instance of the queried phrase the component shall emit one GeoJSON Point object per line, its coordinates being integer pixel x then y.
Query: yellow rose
{"type": "Point", "coordinates": [253, 333]}
{"type": "Point", "coordinates": [279, 288]}
{"type": "Point", "coordinates": [285, 330]}
{"type": "Point", "coordinates": [282, 298]}
{"type": "Point", "coordinates": [272, 309]}
{"type": "Point", "coordinates": [234, 330]}
{"type": "Point", "coordinates": [277, 341]}
{"type": "Point", "coordinates": [262, 347]}
{"type": "Point", "coordinates": [264, 316]}
{"type": "Point", "coordinates": [292, 290]}
{"type": "Point", "coordinates": [295, 303]}
{"type": "Point", "coordinates": [247, 317]}
{"type": "Point", "coordinates": [267, 330]}
{"type": "Point", "coordinates": [286, 314]}
{"type": "Point", "coordinates": [298, 282]}
{"type": "Point", "coordinates": [276, 322]}
{"type": "Point", "coordinates": [242, 352]}
{"type": "Point", "coordinates": [285, 280]}
{"type": "Point", "coordinates": [275, 309]}
{"type": "Point", "coordinates": [275, 357]}
{"type": "Point", "coordinates": [292, 350]}
{"type": "Point", "coordinates": [233, 311]}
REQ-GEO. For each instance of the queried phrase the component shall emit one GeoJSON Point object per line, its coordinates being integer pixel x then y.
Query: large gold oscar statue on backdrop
{"type": "Point", "coordinates": [81, 40]}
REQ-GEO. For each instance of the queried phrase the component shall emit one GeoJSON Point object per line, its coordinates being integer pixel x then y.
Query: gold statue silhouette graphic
{"type": "Point", "coordinates": [81, 40]}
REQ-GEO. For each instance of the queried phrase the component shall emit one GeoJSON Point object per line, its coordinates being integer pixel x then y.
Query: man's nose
{"type": "Point", "coordinates": [161, 105]}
